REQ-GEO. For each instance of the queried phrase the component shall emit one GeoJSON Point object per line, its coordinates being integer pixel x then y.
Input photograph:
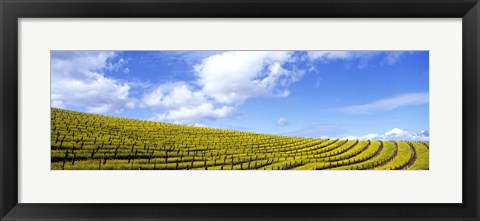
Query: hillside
{"type": "Point", "coordinates": [81, 141]}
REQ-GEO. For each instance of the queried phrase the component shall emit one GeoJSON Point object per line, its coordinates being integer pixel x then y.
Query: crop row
{"type": "Point", "coordinates": [82, 141]}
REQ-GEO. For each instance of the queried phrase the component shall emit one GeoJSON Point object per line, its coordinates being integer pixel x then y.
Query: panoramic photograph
{"type": "Point", "coordinates": [239, 110]}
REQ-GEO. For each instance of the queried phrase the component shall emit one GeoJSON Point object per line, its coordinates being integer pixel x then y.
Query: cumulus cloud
{"type": "Point", "coordinates": [396, 134]}
{"type": "Point", "coordinates": [282, 121]}
{"type": "Point", "coordinates": [77, 79]}
{"type": "Point", "coordinates": [388, 103]}
{"type": "Point", "coordinates": [223, 81]}
{"type": "Point", "coordinates": [232, 77]}
{"type": "Point", "coordinates": [172, 96]}
{"type": "Point", "coordinates": [183, 105]}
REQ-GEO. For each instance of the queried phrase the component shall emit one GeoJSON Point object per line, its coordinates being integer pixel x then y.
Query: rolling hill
{"type": "Point", "coordinates": [81, 141]}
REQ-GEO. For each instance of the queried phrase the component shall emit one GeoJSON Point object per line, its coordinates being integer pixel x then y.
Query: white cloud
{"type": "Point", "coordinates": [330, 55]}
{"type": "Point", "coordinates": [224, 81]}
{"type": "Point", "coordinates": [392, 57]}
{"type": "Point", "coordinates": [362, 57]}
{"type": "Point", "coordinates": [116, 66]}
{"type": "Point", "coordinates": [232, 77]}
{"type": "Point", "coordinates": [186, 115]}
{"type": "Point", "coordinates": [173, 96]}
{"type": "Point", "coordinates": [388, 103]}
{"type": "Point", "coordinates": [282, 121]}
{"type": "Point", "coordinates": [370, 137]}
{"type": "Point", "coordinates": [396, 134]}
{"type": "Point", "coordinates": [183, 105]}
{"type": "Point", "coordinates": [77, 79]}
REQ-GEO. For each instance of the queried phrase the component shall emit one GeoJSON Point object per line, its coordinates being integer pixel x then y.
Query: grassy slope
{"type": "Point", "coordinates": [92, 142]}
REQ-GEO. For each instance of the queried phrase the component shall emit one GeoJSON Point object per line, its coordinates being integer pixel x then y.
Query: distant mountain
{"type": "Point", "coordinates": [397, 134]}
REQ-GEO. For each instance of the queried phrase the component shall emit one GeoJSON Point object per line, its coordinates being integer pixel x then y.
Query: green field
{"type": "Point", "coordinates": [82, 141]}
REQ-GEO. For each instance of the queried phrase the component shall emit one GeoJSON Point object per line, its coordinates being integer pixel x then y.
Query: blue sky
{"type": "Point", "coordinates": [335, 94]}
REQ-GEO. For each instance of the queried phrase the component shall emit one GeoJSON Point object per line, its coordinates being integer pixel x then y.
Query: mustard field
{"type": "Point", "coordinates": [81, 141]}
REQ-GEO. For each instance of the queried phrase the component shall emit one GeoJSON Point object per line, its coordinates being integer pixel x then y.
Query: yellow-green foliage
{"type": "Point", "coordinates": [82, 141]}
{"type": "Point", "coordinates": [422, 161]}
{"type": "Point", "coordinates": [404, 154]}
{"type": "Point", "coordinates": [387, 153]}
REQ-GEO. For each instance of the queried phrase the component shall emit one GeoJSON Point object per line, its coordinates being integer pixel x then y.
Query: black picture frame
{"type": "Point", "coordinates": [12, 10]}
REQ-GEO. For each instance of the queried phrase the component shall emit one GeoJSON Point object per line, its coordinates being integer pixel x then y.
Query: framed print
{"type": "Point", "coordinates": [173, 110]}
